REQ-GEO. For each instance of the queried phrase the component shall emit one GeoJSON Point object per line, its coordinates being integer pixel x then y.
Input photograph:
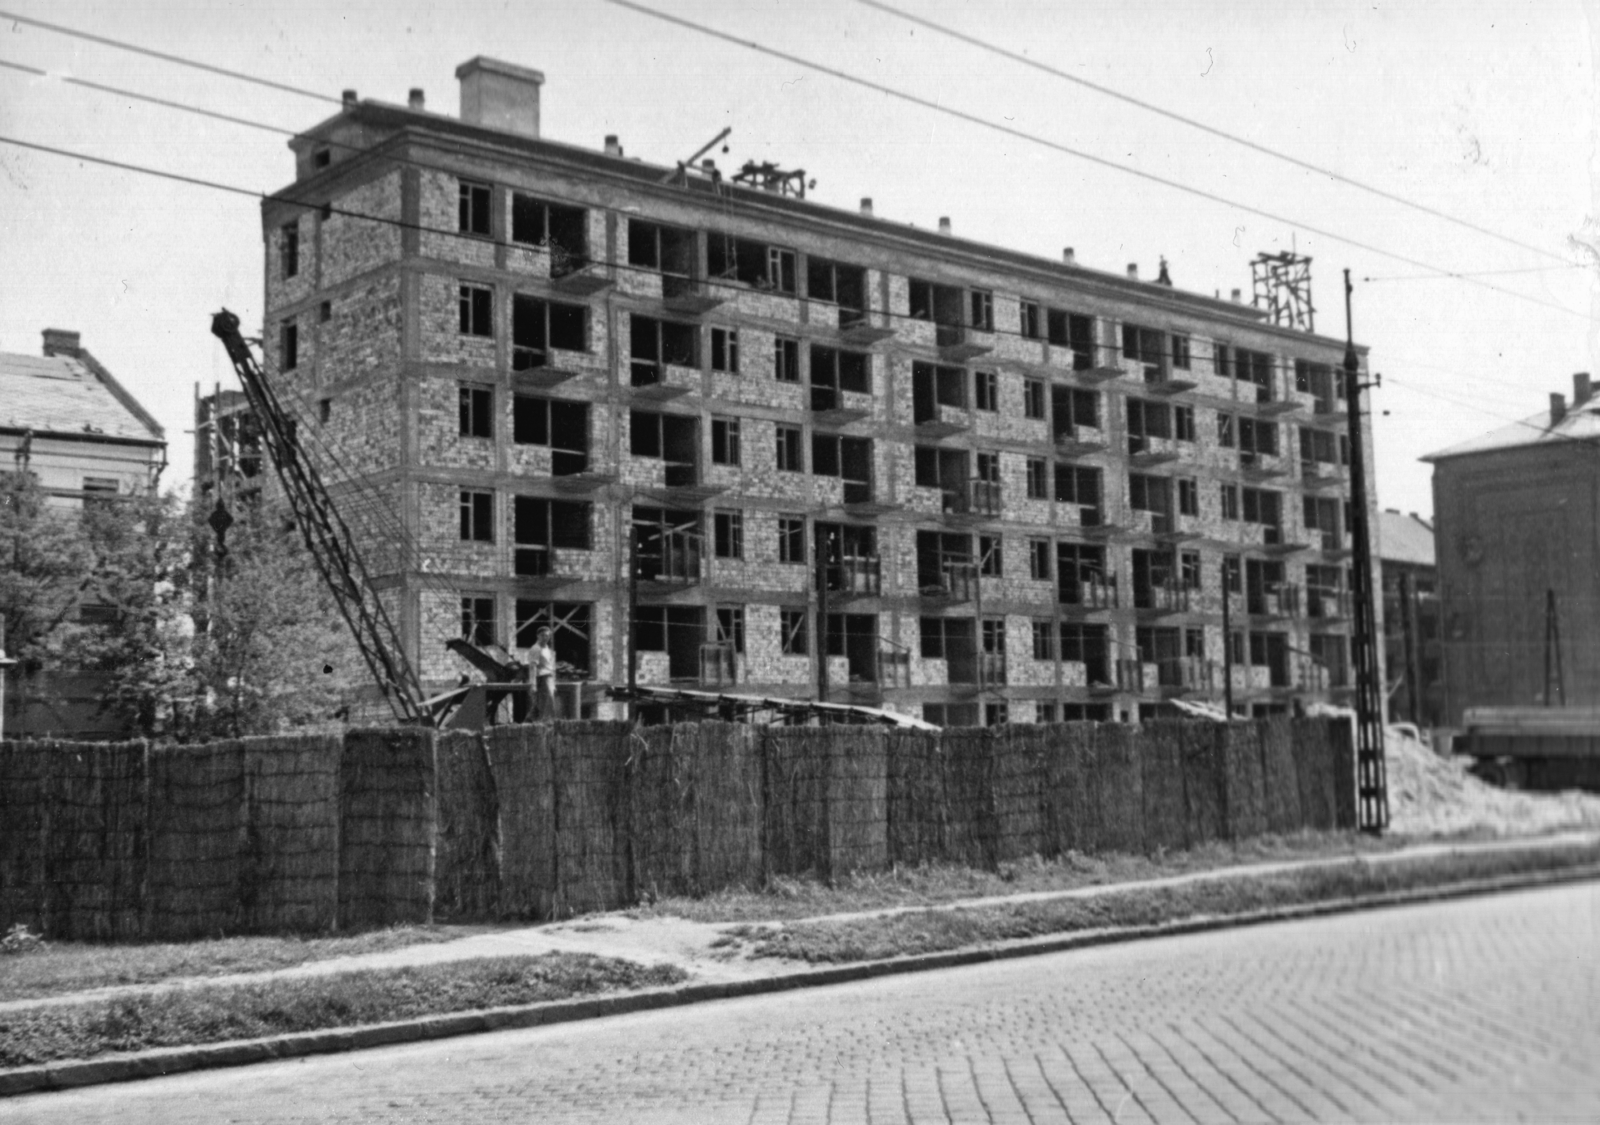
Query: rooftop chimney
{"type": "Point", "coordinates": [415, 101]}
{"type": "Point", "coordinates": [866, 205]}
{"type": "Point", "coordinates": [1558, 409]}
{"type": "Point", "coordinates": [1133, 271]}
{"type": "Point", "coordinates": [59, 341]}
{"type": "Point", "coordinates": [349, 98]}
{"type": "Point", "coordinates": [1069, 256]}
{"type": "Point", "coordinates": [944, 224]}
{"type": "Point", "coordinates": [1238, 297]}
{"type": "Point", "coordinates": [1581, 390]}
{"type": "Point", "coordinates": [498, 95]}
{"type": "Point", "coordinates": [613, 146]}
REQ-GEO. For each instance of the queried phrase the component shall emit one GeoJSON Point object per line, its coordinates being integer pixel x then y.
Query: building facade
{"type": "Point", "coordinates": [1516, 521]}
{"type": "Point", "coordinates": [65, 419]}
{"type": "Point", "coordinates": [799, 451]}
{"type": "Point", "coordinates": [1412, 650]}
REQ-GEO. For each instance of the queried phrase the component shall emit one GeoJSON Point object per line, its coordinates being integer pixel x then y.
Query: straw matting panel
{"type": "Point", "coordinates": [387, 827]}
{"type": "Point", "coordinates": [198, 834]}
{"type": "Point", "coordinates": [661, 809]}
{"type": "Point", "coordinates": [290, 878]}
{"type": "Point", "coordinates": [1166, 815]}
{"type": "Point", "coordinates": [96, 802]}
{"type": "Point", "coordinates": [970, 828]}
{"type": "Point", "coordinates": [1071, 809]}
{"type": "Point", "coordinates": [916, 807]}
{"type": "Point", "coordinates": [1202, 757]}
{"type": "Point", "coordinates": [22, 834]}
{"type": "Point", "coordinates": [1342, 734]}
{"type": "Point", "coordinates": [591, 764]}
{"type": "Point", "coordinates": [727, 817]}
{"type": "Point", "coordinates": [858, 801]}
{"type": "Point", "coordinates": [1120, 788]}
{"type": "Point", "coordinates": [1245, 799]}
{"type": "Point", "coordinates": [1280, 782]}
{"type": "Point", "coordinates": [467, 868]}
{"type": "Point", "coordinates": [1313, 741]}
{"type": "Point", "coordinates": [524, 779]}
{"type": "Point", "coordinates": [1018, 752]}
{"type": "Point", "coordinates": [795, 782]}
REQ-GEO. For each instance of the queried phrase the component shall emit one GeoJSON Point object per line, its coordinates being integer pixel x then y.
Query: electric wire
{"type": "Point", "coordinates": [119, 91]}
{"type": "Point", "coordinates": [1034, 138]}
{"type": "Point", "coordinates": [1193, 123]}
{"type": "Point", "coordinates": [178, 60]}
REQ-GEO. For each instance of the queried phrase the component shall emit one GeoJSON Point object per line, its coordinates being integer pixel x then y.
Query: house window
{"type": "Point", "coordinates": [729, 528]}
{"type": "Point", "coordinates": [477, 620]}
{"type": "Point", "coordinates": [324, 409]}
{"type": "Point", "coordinates": [1149, 494]}
{"type": "Point", "coordinates": [1147, 420]}
{"type": "Point", "coordinates": [537, 326]}
{"type": "Point", "coordinates": [834, 371]}
{"type": "Point", "coordinates": [791, 539]}
{"type": "Point", "coordinates": [1188, 496]}
{"type": "Point", "coordinates": [786, 360]}
{"type": "Point", "coordinates": [477, 310]}
{"type": "Point", "coordinates": [560, 425]}
{"type": "Point", "coordinates": [790, 452]}
{"type": "Point", "coordinates": [1183, 423]}
{"type": "Point", "coordinates": [937, 637]}
{"type": "Point", "coordinates": [982, 308]}
{"type": "Point", "coordinates": [1230, 502]}
{"type": "Point", "coordinates": [754, 263]}
{"type": "Point", "coordinates": [539, 526]}
{"type": "Point", "coordinates": [321, 158]}
{"type": "Point", "coordinates": [97, 490]}
{"type": "Point", "coordinates": [289, 248]}
{"type": "Point", "coordinates": [1039, 559]}
{"type": "Point", "coordinates": [1232, 572]}
{"type": "Point", "coordinates": [1073, 332]}
{"type": "Point", "coordinates": [671, 250]}
{"type": "Point", "coordinates": [1225, 430]}
{"type": "Point", "coordinates": [986, 390]}
{"type": "Point", "coordinates": [792, 632]}
{"type": "Point", "coordinates": [990, 563]}
{"type": "Point", "coordinates": [325, 311]}
{"type": "Point", "coordinates": [1262, 506]}
{"type": "Point", "coordinates": [725, 441]}
{"type": "Point", "coordinates": [1038, 478]}
{"type": "Point", "coordinates": [477, 411]}
{"type": "Point", "coordinates": [653, 343]}
{"type": "Point", "coordinates": [845, 286]}
{"type": "Point", "coordinates": [1223, 362]}
{"type": "Point", "coordinates": [1080, 484]}
{"type": "Point", "coordinates": [1258, 437]}
{"type": "Point", "coordinates": [477, 516]}
{"type": "Point", "coordinates": [1044, 640]}
{"type": "Point", "coordinates": [474, 208]}
{"type": "Point", "coordinates": [725, 350]}
{"type": "Point", "coordinates": [289, 345]}
{"type": "Point", "coordinates": [1031, 321]}
{"type": "Point", "coordinates": [1033, 398]}
{"type": "Point", "coordinates": [1180, 351]}
{"type": "Point", "coordinates": [562, 229]}
{"type": "Point", "coordinates": [1144, 346]}
{"type": "Point", "coordinates": [1189, 569]}
{"type": "Point", "coordinates": [730, 627]}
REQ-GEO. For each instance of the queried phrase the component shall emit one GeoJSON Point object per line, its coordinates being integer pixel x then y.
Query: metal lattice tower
{"type": "Point", "coordinates": [1283, 287]}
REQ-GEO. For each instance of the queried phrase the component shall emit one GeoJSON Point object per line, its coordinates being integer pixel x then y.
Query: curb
{"type": "Point", "coordinates": [177, 1060]}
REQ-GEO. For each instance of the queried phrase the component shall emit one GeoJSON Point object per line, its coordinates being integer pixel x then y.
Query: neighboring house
{"type": "Point", "coordinates": [1517, 523]}
{"type": "Point", "coordinates": [1412, 652]}
{"type": "Point", "coordinates": [842, 455]}
{"type": "Point", "coordinates": [66, 420]}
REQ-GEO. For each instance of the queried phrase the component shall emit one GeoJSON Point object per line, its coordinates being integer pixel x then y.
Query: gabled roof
{"type": "Point", "coordinates": [1405, 539]}
{"type": "Point", "coordinates": [70, 397]}
{"type": "Point", "coordinates": [1580, 424]}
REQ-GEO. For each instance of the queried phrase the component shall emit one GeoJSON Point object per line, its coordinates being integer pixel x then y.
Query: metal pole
{"type": "Point", "coordinates": [1372, 788]}
{"type": "Point", "coordinates": [1227, 643]}
{"type": "Point", "coordinates": [633, 616]}
{"type": "Point", "coordinates": [1409, 650]}
{"type": "Point", "coordinates": [820, 551]}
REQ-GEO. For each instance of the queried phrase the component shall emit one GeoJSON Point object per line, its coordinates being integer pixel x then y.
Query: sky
{"type": "Point", "coordinates": [1484, 112]}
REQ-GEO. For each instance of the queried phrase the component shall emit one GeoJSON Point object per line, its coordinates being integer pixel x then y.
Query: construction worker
{"type": "Point", "coordinates": [542, 667]}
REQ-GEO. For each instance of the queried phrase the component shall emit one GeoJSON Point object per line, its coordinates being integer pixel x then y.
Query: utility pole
{"type": "Point", "coordinates": [1372, 785]}
{"type": "Point", "coordinates": [820, 546]}
{"type": "Point", "coordinates": [1227, 642]}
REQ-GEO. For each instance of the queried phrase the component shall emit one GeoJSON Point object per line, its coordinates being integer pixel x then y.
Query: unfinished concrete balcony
{"type": "Point", "coordinates": [1186, 675]}
{"type": "Point", "coordinates": [941, 420]}
{"type": "Point", "coordinates": [1079, 441]}
{"type": "Point", "coordinates": [957, 343]}
{"type": "Point", "coordinates": [953, 583]}
{"type": "Point", "coordinates": [894, 664]}
{"type": "Point", "coordinates": [1092, 594]}
{"type": "Point", "coordinates": [692, 296]}
{"type": "Point", "coordinates": [831, 407]}
{"type": "Point", "coordinates": [1320, 475]}
{"type": "Point", "coordinates": [1278, 601]}
{"type": "Point", "coordinates": [991, 669]}
{"type": "Point", "coordinates": [652, 381]}
{"type": "Point", "coordinates": [1255, 466]}
{"type": "Point", "coordinates": [973, 501]}
{"type": "Point", "coordinates": [1327, 604]}
{"type": "Point", "coordinates": [1132, 675]}
{"type": "Point", "coordinates": [852, 576]}
{"type": "Point", "coordinates": [1161, 599]}
{"type": "Point", "coordinates": [1145, 451]}
{"type": "Point", "coordinates": [861, 328]}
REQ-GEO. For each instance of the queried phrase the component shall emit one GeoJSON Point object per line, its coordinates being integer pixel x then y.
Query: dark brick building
{"type": "Point", "coordinates": [848, 455]}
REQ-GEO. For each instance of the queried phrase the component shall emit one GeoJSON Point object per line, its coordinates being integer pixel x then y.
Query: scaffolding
{"type": "Point", "coordinates": [1283, 287]}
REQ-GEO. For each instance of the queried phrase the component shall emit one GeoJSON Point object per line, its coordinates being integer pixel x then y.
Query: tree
{"type": "Point", "coordinates": [271, 653]}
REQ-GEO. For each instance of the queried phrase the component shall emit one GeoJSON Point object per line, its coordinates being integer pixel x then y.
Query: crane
{"type": "Point", "coordinates": [327, 536]}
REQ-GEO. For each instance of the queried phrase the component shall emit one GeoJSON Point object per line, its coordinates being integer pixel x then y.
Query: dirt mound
{"type": "Point", "coordinates": [1434, 796]}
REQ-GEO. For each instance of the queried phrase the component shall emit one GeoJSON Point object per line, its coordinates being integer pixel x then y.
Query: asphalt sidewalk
{"type": "Point", "coordinates": [717, 971]}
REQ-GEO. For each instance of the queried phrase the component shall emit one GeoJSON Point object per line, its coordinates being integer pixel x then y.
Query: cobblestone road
{"type": "Point", "coordinates": [1483, 1010]}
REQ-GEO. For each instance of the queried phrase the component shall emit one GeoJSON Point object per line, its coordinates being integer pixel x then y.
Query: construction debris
{"type": "Point", "coordinates": [1430, 795]}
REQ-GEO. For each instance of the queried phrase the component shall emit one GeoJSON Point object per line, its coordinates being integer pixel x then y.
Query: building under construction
{"type": "Point", "coordinates": [795, 451]}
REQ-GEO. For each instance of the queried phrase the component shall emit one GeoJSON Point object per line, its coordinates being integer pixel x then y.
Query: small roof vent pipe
{"type": "Point", "coordinates": [866, 205]}
{"type": "Point", "coordinates": [1558, 409]}
{"type": "Point", "coordinates": [1133, 271]}
{"type": "Point", "coordinates": [416, 101]}
{"type": "Point", "coordinates": [613, 146]}
{"type": "Point", "coordinates": [1238, 296]}
{"type": "Point", "coordinates": [1069, 256]}
{"type": "Point", "coordinates": [944, 224]}
{"type": "Point", "coordinates": [349, 98]}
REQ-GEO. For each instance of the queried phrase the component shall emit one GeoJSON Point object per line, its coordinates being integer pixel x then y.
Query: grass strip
{"type": "Point", "coordinates": [216, 1013]}
{"type": "Point", "coordinates": [784, 897]}
{"type": "Point", "coordinates": [934, 931]}
{"type": "Point", "coordinates": [55, 968]}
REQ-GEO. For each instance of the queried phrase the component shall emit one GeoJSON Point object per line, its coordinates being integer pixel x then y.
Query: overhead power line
{"type": "Point", "coordinates": [120, 92]}
{"type": "Point", "coordinates": [179, 60]}
{"type": "Point", "coordinates": [1034, 138]}
{"type": "Point", "coordinates": [1246, 142]}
